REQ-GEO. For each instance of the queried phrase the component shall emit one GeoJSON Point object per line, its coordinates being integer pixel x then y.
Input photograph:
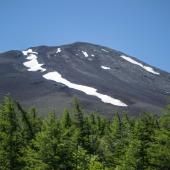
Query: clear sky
{"type": "Point", "coordinates": [140, 28]}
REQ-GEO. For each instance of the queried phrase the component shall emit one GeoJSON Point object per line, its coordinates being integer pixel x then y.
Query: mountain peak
{"type": "Point", "coordinates": [102, 78]}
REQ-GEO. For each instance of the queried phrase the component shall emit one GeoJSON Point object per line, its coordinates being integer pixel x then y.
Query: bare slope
{"type": "Point", "coordinates": [102, 78]}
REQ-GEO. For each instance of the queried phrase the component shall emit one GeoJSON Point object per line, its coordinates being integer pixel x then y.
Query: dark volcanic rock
{"type": "Point", "coordinates": [140, 89]}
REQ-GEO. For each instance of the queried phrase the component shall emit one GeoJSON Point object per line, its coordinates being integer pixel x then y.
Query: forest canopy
{"type": "Point", "coordinates": [80, 141]}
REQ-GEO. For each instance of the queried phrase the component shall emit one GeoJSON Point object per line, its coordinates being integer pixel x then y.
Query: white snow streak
{"type": "Point", "coordinates": [32, 64]}
{"type": "Point", "coordinates": [105, 67]}
{"type": "Point", "coordinates": [55, 76]}
{"type": "Point", "coordinates": [92, 55]}
{"type": "Point", "coordinates": [147, 68]}
{"type": "Point", "coordinates": [58, 50]}
{"type": "Point", "coordinates": [29, 51]}
{"type": "Point", "coordinates": [104, 50]}
{"type": "Point", "coordinates": [85, 53]}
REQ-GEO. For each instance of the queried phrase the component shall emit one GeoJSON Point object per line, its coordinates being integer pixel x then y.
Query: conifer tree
{"type": "Point", "coordinates": [137, 156]}
{"type": "Point", "coordinates": [160, 149]}
{"type": "Point", "coordinates": [115, 140]}
{"type": "Point", "coordinates": [66, 119]}
{"type": "Point", "coordinates": [94, 134]}
{"type": "Point", "coordinates": [49, 150]}
{"type": "Point", "coordinates": [30, 123]}
{"type": "Point", "coordinates": [11, 141]}
{"type": "Point", "coordinates": [78, 115]}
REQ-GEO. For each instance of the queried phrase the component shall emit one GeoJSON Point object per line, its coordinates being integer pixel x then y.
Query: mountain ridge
{"type": "Point", "coordinates": [81, 42]}
{"type": "Point", "coordinates": [112, 73]}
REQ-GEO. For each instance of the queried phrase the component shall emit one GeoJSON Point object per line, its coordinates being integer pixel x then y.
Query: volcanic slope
{"type": "Point", "coordinates": [103, 79]}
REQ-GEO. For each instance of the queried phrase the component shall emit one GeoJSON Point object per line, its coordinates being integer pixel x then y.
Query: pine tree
{"type": "Point", "coordinates": [11, 141]}
{"type": "Point", "coordinates": [66, 119]}
{"type": "Point", "coordinates": [115, 140]}
{"type": "Point", "coordinates": [160, 149]}
{"type": "Point", "coordinates": [48, 150]}
{"type": "Point", "coordinates": [93, 133]}
{"type": "Point", "coordinates": [30, 123]}
{"type": "Point", "coordinates": [80, 127]}
{"type": "Point", "coordinates": [78, 115]}
{"type": "Point", "coordinates": [140, 141]}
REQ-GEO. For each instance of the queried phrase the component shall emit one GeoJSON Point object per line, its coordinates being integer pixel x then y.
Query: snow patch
{"type": "Point", "coordinates": [85, 53]}
{"type": "Point", "coordinates": [147, 68]}
{"type": "Point", "coordinates": [104, 50]}
{"type": "Point", "coordinates": [32, 64]}
{"type": "Point", "coordinates": [105, 67]}
{"type": "Point", "coordinates": [92, 55]}
{"type": "Point", "coordinates": [29, 51]}
{"type": "Point", "coordinates": [151, 70]}
{"type": "Point", "coordinates": [57, 77]}
{"type": "Point", "coordinates": [58, 50]}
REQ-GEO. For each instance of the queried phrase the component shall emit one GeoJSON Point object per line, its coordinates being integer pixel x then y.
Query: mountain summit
{"type": "Point", "coordinates": [103, 79]}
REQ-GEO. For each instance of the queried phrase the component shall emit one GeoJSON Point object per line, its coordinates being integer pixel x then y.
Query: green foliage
{"type": "Point", "coordinates": [95, 164]}
{"type": "Point", "coordinates": [78, 141]}
{"type": "Point", "coordinates": [11, 136]}
{"type": "Point", "coordinates": [160, 148]}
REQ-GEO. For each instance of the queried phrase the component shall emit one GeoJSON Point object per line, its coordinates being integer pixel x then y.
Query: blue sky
{"type": "Point", "coordinates": [140, 28]}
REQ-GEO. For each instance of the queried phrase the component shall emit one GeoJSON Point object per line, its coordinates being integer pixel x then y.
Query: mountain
{"type": "Point", "coordinates": [103, 79]}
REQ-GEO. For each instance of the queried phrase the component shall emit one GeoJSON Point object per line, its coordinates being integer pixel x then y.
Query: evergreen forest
{"type": "Point", "coordinates": [80, 141]}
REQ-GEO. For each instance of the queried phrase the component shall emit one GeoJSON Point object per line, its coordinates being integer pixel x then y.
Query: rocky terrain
{"type": "Point", "coordinates": [103, 79]}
